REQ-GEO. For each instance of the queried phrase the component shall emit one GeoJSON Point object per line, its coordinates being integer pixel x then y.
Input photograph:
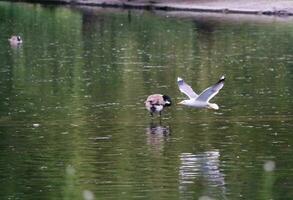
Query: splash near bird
{"type": "Point", "coordinates": [201, 100]}
{"type": "Point", "coordinates": [156, 103]}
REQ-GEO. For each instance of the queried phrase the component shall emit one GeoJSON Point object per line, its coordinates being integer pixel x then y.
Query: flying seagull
{"type": "Point", "coordinates": [201, 100]}
{"type": "Point", "coordinates": [155, 103]}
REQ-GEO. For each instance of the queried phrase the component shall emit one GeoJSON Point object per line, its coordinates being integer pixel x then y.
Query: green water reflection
{"type": "Point", "coordinates": [73, 122]}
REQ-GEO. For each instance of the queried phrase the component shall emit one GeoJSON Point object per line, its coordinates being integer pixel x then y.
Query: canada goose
{"type": "Point", "coordinates": [15, 40]}
{"type": "Point", "coordinates": [155, 103]}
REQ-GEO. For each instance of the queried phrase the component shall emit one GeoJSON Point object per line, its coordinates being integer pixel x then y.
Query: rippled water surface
{"type": "Point", "coordinates": [72, 117]}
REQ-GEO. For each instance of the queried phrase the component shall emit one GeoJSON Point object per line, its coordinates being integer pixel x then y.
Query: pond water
{"type": "Point", "coordinates": [73, 122]}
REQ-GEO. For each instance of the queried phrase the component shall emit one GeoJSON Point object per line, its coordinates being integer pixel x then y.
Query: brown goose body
{"type": "Point", "coordinates": [156, 103]}
{"type": "Point", "coordinates": [15, 40]}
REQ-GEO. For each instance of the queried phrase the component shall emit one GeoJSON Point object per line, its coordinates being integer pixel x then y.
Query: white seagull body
{"type": "Point", "coordinates": [201, 100]}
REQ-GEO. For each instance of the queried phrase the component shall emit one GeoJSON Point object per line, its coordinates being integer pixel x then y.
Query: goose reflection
{"type": "Point", "coordinates": [157, 134]}
{"type": "Point", "coordinates": [203, 168]}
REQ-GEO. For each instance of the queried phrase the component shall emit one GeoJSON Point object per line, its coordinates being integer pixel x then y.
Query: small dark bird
{"type": "Point", "coordinates": [155, 103]}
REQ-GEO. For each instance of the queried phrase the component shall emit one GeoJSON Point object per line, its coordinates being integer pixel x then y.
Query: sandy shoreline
{"type": "Point", "coordinates": [259, 7]}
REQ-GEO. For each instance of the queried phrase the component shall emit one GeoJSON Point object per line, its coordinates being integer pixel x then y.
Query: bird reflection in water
{"type": "Point", "coordinates": [157, 134]}
{"type": "Point", "coordinates": [202, 169]}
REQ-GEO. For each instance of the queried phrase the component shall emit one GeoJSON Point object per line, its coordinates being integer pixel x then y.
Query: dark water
{"type": "Point", "coordinates": [73, 124]}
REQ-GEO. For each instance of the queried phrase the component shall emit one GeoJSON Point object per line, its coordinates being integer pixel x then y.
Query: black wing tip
{"type": "Point", "coordinates": [179, 80]}
{"type": "Point", "coordinates": [222, 79]}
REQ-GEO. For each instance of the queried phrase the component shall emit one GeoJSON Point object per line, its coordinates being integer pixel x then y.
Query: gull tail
{"type": "Point", "coordinates": [214, 106]}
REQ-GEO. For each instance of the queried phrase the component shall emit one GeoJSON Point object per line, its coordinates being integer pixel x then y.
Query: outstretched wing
{"type": "Point", "coordinates": [210, 92]}
{"type": "Point", "coordinates": [186, 89]}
